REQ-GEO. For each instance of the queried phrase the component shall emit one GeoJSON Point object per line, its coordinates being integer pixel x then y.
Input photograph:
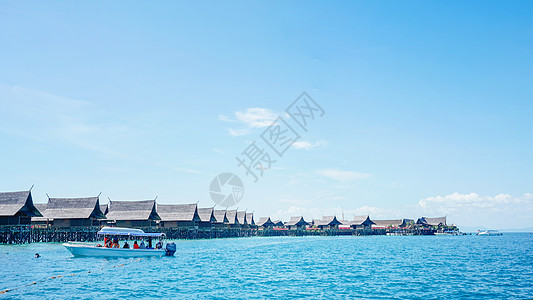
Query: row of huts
{"type": "Point", "coordinates": [17, 208]}
{"type": "Point", "coordinates": [358, 222]}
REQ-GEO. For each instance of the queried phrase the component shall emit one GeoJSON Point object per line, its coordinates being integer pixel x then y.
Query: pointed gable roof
{"type": "Point", "coordinates": [73, 208]}
{"type": "Point", "coordinates": [206, 214]}
{"type": "Point", "coordinates": [297, 221]}
{"type": "Point", "coordinates": [327, 221]}
{"type": "Point", "coordinates": [265, 222]}
{"type": "Point", "coordinates": [12, 203]}
{"type": "Point", "coordinates": [278, 222]}
{"type": "Point", "coordinates": [361, 220]}
{"type": "Point", "coordinates": [232, 217]}
{"type": "Point", "coordinates": [132, 210]}
{"type": "Point", "coordinates": [220, 216]}
{"type": "Point", "coordinates": [250, 218]}
{"type": "Point", "coordinates": [241, 217]}
{"type": "Point", "coordinates": [432, 221]}
{"type": "Point", "coordinates": [178, 212]}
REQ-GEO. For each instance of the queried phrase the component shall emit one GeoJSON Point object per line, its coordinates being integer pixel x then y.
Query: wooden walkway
{"type": "Point", "coordinates": [26, 234]}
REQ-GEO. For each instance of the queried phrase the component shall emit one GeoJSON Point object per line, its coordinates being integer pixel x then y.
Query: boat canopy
{"type": "Point", "coordinates": [127, 232]}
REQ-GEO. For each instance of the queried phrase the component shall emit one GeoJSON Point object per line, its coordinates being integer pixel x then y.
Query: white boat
{"type": "Point", "coordinates": [489, 232]}
{"type": "Point", "coordinates": [84, 249]}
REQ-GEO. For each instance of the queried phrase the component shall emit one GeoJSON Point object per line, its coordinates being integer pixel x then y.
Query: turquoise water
{"type": "Point", "coordinates": [373, 267]}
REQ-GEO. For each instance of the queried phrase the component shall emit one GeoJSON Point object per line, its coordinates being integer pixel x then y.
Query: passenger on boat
{"type": "Point", "coordinates": [126, 245]}
{"type": "Point", "coordinates": [115, 243]}
{"type": "Point", "coordinates": [158, 245]}
{"type": "Point", "coordinates": [107, 243]}
{"type": "Point", "coordinates": [135, 245]}
{"type": "Point", "coordinates": [142, 245]}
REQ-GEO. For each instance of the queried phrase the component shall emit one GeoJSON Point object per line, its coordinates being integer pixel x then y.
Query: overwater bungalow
{"type": "Point", "coordinates": [132, 213]}
{"type": "Point", "coordinates": [250, 219]}
{"type": "Point", "coordinates": [241, 217]}
{"type": "Point", "coordinates": [233, 222]}
{"type": "Point", "coordinates": [328, 222]}
{"type": "Point", "coordinates": [395, 223]}
{"type": "Point", "coordinates": [278, 223]}
{"type": "Point", "coordinates": [359, 222]}
{"type": "Point", "coordinates": [265, 222]}
{"type": "Point", "coordinates": [72, 212]}
{"type": "Point", "coordinates": [207, 217]}
{"type": "Point", "coordinates": [425, 221]}
{"type": "Point", "coordinates": [16, 208]}
{"type": "Point", "coordinates": [178, 215]}
{"type": "Point", "coordinates": [221, 219]}
{"type": "Point", "coordinates": [297, 223]}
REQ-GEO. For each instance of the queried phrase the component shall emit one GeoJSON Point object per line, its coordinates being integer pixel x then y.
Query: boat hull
{"type": "Point", "coordinates": [85, 250]}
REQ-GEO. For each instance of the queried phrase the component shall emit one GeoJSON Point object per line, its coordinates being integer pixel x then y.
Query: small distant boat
{"type": "Point", "coordinates": [489, 232]}
{"type": "Point", "coordinates": [84, 249]}
{"type": "Point", "coordinates": [447, 233]}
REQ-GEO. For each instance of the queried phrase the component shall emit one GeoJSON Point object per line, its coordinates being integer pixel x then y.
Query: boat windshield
{"type": "Point", "coordinates": [127, 232]}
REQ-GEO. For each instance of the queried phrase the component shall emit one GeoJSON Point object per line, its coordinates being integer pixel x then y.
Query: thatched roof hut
{"type": "Point", "coordinates": [207, 217]}
{"type": "Point", "coordinates": [425, 221]}
{"type": "Point", "coordinates": [328, 221]}
{"type": "Point", "coordinates": [394, 223]}
{"type": "Point", "coordinates": [265, 222]}
{"type": "Point", "coordinates": [17, 208]}
{"type": "Point", "coordinates": [250, 219]}
{"type": "Point", "coordinates": [132, 213]}
{"type": "Point", "coordinates": [296, 222]}
{"type": "Point", "coordinates": [278, 223]}
{"type": "Point", "coordinates": [178, 215]}
{"type": "Point", "coordinates": [206, 214]}
{"type": "Point", "coordinates": [231, 215]}
{"type": "Point", "coordinates": [359, 222]}
{"type": "Point", "coordinates": [67, 212]}
{"type": "Point", "coordinates": [220, 216]}
{"type": "Point", "coordinates": [241, 217]}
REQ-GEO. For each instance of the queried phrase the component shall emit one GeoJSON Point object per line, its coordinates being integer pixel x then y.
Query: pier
{"type": "Point", "coordinates": [25, 234]}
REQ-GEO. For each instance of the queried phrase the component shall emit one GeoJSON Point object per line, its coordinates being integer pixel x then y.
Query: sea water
{"type": "Point", "coordinates": [366, 267]}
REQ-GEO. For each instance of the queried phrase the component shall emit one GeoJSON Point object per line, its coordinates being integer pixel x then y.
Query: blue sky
{"type": "Point", "coordinates": [428, 104]}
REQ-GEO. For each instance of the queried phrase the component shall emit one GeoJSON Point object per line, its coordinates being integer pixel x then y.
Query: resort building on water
{"type": "Point", "coordinates": [132, 213]}
{"type": "Point", "coordinates": [265, 222]}
{"type": "Point", "coordinates": [328, 222]}
{"type": "Point", "coordinates": [178, 215]}
{"type": "Point", "coordinates": [207, 217]}
{"type": "Point", "coordinates": [221, 219]}
{"type": "Point", "coordinates": [231, 215]}
{"type": "Point", "coordinates": [425, 221]}
{"type": "Point", "coordinates": [296, 223]}
{"type": "Point", "coordinates": [71, 212]}
{"type": "Point", "coordinates": [395, 223]}
{"type": "Point", "coordinates": [250, 219]}
{"type": "Point", "coordinates": [359, 222]}
{"type": "Point", "coordinates": [16, 208]}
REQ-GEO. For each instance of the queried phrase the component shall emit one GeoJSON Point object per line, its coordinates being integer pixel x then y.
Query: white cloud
{"type": "Point", "coordinates": [308, 145]}
{"type": "Point", "coordinates": [472, 209]}
{"type": "Point", "coordinates": [238, 132]}
{"type": "Point", "coordinates": [341, 175]}
{"type": "Point", "coordinates": [255, 117]}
